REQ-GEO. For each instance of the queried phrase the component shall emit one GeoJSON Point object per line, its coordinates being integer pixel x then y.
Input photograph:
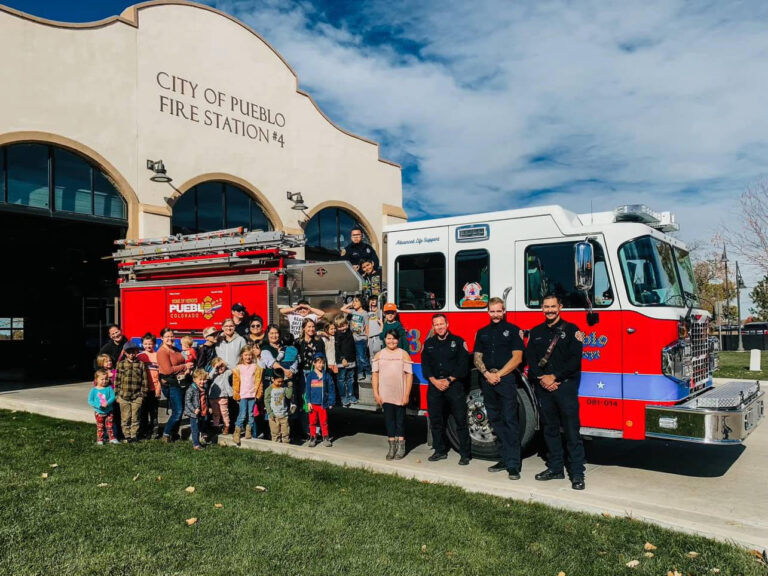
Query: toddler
{"type": "Point", "coordinates": [102, 400]}
{"type": "Point", "coordinates": [319, 397]}
{"type": "Point", "coordinates": [219, 393]}
{"type": "Point", "coordinates": [192, 406]}
{"type": "Point", "coordinates": [276, 402]}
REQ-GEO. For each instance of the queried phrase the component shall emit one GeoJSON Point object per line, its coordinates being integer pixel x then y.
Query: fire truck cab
{"type": "Point", "coordinates": [648, 356]}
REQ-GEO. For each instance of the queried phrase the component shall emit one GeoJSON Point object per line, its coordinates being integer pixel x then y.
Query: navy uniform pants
{"type": "Point", "coordinates": [501, 405]}
{"type": "Point", "coordinates": [455, 401]}
{"type": "Point", "coordinates": [561, 409]}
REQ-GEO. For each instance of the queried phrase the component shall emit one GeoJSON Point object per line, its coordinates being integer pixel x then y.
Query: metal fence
{"type": "Point", "coordinates": [730, 341]}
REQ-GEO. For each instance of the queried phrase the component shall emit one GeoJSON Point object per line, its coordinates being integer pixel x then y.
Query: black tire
{"type": "Point", "coordinates": [481, 434]}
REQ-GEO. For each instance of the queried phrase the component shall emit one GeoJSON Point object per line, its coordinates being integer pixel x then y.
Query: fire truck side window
{"type": "Point", "coordinates": [473, 285]}
{"type": "Point", "coordinates": [420, 281]}
{"type": "Point", "coordinates": [549, 268]}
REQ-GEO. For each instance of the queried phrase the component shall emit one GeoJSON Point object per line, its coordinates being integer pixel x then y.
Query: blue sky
{"type": "Point", "coordinates": [494, 105]}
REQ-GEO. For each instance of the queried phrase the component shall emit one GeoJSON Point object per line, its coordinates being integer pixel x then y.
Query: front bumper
{"type": "Point", "coordinates": [725, 414]}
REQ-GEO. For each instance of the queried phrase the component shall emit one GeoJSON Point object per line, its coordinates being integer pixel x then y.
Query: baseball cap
{"type": "Point", "coordinates": [130, 346]}
{"type": "Point", "coordinates": [318, 355]}
{"type": "Point", "coordinates": [238, 307]}
{"type": "Point", "coordinates": [210, 331]}
{"type": "Point", "coordinates": [390, 307]}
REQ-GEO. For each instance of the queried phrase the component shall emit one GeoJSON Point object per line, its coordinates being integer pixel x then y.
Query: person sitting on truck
{"type": "Point", "coordinates": [357, 250]}
{"type": "Point", "coordinates": [240, 318]}
{"type": "Point", "coordinates": [231, 343]}
{"type": "Point", "coordinates": [371, 278]}
{"type": "Point", "coordinates": [298, 313]}
{"type": "Point", "coordinates": [392, 322]}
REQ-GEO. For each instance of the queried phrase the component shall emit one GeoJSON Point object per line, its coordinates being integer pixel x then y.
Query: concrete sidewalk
{"type": "Point", "coordinates": [716, 491]}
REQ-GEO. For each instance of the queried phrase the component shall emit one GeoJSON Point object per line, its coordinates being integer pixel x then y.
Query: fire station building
{"type": "Point", "coordinates": [170, 118]}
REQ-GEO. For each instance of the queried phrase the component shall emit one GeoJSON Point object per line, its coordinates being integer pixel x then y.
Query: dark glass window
{"type": "Point", "coordinates": [28, 183]}
{"type": "Point", "coordinates": [549, 269]}
{"type": "Point", "coordinates": [76, 186]}
{"type": "Point", "coordinates": [420, 281]}
{"type": "Point", "coordinates": [328, 232]}
{"type": "Point", "coordinates": [217, 205]}
{"type": "Point", "coordinates": [473, 284]}
{"type": "Point", "coordinates": [649, 272]}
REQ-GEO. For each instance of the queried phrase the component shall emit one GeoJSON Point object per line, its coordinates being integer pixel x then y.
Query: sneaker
{"type": "Point", "coordinates": [346, 404]}
{"type": "Point", "coordinates": [327, 442]}
{"type": "Point", "coordinates": [353, 401]}
{"type": "Point", "coordinates": [361, 378]}
{"type": "Point", "coordinates": [100, 443]}
{"type": "Point", "coordinates": [114, 441]}
{"type": "Point", "coordinates": [312, 442]}
{"type": "Point", "coordinates": [549, 475]}
{"type": "Point", "coordinates": [438, 456]}
{"type": "Point", "coordinates": [498, 467]}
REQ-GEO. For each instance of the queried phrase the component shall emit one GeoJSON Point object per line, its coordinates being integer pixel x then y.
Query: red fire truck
{"type": "Point", "coordinates": [648, 355]}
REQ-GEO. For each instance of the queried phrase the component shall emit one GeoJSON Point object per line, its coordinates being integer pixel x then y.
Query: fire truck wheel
{"type": "Point", "coordinates": [480, 432]}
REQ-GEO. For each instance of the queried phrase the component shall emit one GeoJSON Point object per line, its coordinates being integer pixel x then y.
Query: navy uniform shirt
{"type": "Point", "coordinates": [497, 342]}
{"type": "Point", "coordinates": [444, 358]}
{"type": "Point", "coordinates": [356, 253]}
{"type": "Point", "coordinates": [565, 361]}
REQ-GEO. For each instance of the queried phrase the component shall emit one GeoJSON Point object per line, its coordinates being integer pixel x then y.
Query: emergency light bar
{"type": "Point", "coordinates": [662, 221]}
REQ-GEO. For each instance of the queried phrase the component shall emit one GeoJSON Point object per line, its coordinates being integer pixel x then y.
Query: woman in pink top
{"type": "Point", "coordinates": [392, 380]}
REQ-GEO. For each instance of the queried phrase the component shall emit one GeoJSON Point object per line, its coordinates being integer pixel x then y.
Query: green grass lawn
{"type": "Point", "coordinates": [313, 518]}
{"type": "Point", "coordinates": [736, 365]}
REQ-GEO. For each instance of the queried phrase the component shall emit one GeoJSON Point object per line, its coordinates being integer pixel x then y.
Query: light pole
{"type": "Point", "coordinates": [724, 260]}
{"type": "Point", "coordinates": [739, 285]}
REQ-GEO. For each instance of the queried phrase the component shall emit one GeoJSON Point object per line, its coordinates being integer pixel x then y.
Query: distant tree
{"type": "Point", "coordinates": [751, 238]}
{"type": "Point", "coordinates": [759, 295]}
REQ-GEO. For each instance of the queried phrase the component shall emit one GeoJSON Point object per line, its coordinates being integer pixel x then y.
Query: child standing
{"type": "Point", "coordinates": [192, 406]}
{"type": "Point", "coordinates": [319, 397]}
{"type": "Point", "coordinates": [219, 393]}
{"type": "Point", "coordinates": [247, 387]}
{"type": "Point", "coordinates": [131, 385]}
{"type": "Point", "coordinates": [104, 362]}
{"type": "Point", "coordinates": [102, 400]}
{"type": "Point", "coordinates": [358, 325]}
{"type": "Point", "coordinates": [345, 360]}
{"type": "Point", "coordinates": [276, 402]}
{"type": "Point", "coordinates": [392, 322]}
{"type": "Point", "coordinates": [374, 327]}
{"type": "Point", "coordinates": [149, 409]}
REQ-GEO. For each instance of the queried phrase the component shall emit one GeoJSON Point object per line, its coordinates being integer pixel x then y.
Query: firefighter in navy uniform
{"type": "Point", "coordinates": [554, 358]}
{"type": "Point", "coordinates": [444, 363]}
{"type": "Point", "coordinates": [498, 353]}
{"type": "Point", "coordinates": [357, 251]}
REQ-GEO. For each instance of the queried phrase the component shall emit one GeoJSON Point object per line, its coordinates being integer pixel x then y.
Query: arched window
{"type": "Point", "coordinates": [217, 205]}
{"type": "Point", "coordinates": [48, 178]}
{"type": "Point", "coordinates": [328, 232]}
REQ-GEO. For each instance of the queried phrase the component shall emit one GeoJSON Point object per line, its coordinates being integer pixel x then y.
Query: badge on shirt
{"type": "Point", "coordinates": [506, 333]}
{"type": "Point", "coordinates": [453, 343]}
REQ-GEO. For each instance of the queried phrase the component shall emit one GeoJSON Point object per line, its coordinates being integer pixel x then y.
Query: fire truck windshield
{"type": "Point", "coordinates": [656, 273]}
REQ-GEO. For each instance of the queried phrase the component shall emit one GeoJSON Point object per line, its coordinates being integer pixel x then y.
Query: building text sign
{"type": "Point", "coordinates": [189, 100]}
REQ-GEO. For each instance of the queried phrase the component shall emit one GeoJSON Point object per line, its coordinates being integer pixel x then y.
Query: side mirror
{"type": "Point", "coordinates": [584, 266]}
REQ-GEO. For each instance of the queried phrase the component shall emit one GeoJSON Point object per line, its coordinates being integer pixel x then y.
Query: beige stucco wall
{"type": "Point", "coordinates": [96, 88]}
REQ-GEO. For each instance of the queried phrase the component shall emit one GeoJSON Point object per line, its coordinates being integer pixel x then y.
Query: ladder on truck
{"type": "Point", "coordinates": [151, 258]}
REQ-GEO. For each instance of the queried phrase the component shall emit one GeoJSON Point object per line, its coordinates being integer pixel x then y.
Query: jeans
{"type": "Point", "coordinates": [346, 384]}
{"type": "Point", "coordinates": [195, 425]}
{"type": "Point", "coordinates": [561, 409]}
{"type": "Point", "coordinates": [394, 420]}
{"type": "Point", "coordinates": [246, 413]}
{"type": "Point", "coordinates": [501, 405]}
{"type": "Point", "coordinates": [363, 363]}
{"type": "Point", "coordinates": [453, 398]}
{"type": "Point", "coordinates": [176, 398]}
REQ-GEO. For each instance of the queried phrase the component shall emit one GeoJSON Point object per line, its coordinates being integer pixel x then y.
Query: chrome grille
{"type": "Point", "coordinates": [700, 361]}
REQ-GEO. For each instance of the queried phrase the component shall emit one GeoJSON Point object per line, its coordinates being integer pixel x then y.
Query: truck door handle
{"type": "Point", "coordinates": [630, 330]}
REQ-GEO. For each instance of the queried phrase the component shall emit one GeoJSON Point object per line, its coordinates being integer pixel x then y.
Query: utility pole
{"type": "Point", "coordinates": [724, 260]}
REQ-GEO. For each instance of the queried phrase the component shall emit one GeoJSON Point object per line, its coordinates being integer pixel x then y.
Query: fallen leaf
{"type": "Point", "coordinates": [343, 490]}
{"type": "Point", "coordinates": [648, 554]}
{"type": "Point", "coordinates": [606, 515]}
{"type": "Point", "coordinates": [673, 573]}
{"type": "Point", "coordinates": [158, 479]}
{"type": "Point", "coordinates": [561, 573]}
{"type": "Point", "coordinates": [648, 547]}
{"type": "Point", "coordinates": [71, 440]}
{"type": "Point", "coordinates": [136, 477]}
{"type": "Point", "coordinates": [44, 475]}
{"type": "Point", "coordinates": [218, 505]}
{"type": "Point", "coordinates": [103, 485]}
{"type": "Point", "coordinates": [423, 548]}
{"type": "Point", "coordinates": [760, 556]}
{"type": "Point", "coordinates": [191, 521]}
{"type": "Point", "coordinates": [418, 460]}
{"type": "Point", "coordinates": [715, 570]}
{"type": "Point", "coordinates": [54, 465]}
{"type": "Point", "coordinates": [190, 489]}
{"type": "Point", "coordinates": [261, 489]}
{"type": "Point", "coordinates": [633, 563]}
{"type": "Point", "coordinates": [451, 554]}
{"type": "Point", "coordinates": [692, 554]}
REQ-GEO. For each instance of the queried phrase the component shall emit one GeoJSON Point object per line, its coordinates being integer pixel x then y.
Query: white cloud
{"type": "Point", "coordinates": [660, 102]}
